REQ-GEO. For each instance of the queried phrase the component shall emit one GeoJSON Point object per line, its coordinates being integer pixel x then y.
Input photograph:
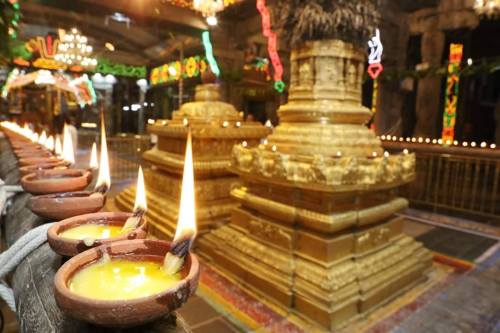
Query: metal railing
{"type": "Point", "coordinates": [125, 155]}
{"type": "Point", "coordinates": [125, 152]}
{"type": "Point", "coordinates": [460, 182]}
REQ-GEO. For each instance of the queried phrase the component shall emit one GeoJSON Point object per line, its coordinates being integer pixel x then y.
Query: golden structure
{"type": "Point", "coordinates": [216, 127]}
{"type": "Point", "coordinates": [316, 229]}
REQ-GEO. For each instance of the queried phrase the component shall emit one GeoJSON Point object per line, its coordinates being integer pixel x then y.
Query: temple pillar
{"type": "Point", "coordinates": [429, 88]}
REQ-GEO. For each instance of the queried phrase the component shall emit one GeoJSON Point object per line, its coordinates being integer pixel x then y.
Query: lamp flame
{"type": "Point", "coordinates": [49, 144]}
{"type": "Point", "coordinates": [104, 177]}
{"type": "Point", "coordinates": [140, 193]}
{"type": "Point", "coordinates": [34, 138]}
{"type": "Point", "coordinates": [42, 138]}
{"type": "Point", "coordinates": [186, 224]}
{"type": "Point", "coordinates": [94, 165]}
{"type": "Point", "coordinates": [58, 146]}
{"type": "Point", "coordinates": [67, 151]}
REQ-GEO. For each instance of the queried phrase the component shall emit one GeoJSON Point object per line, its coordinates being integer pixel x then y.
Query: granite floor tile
{"type": "Point", "coordinates": [197, 311]}
{"type": "Point", "coordinates": [217, 325]}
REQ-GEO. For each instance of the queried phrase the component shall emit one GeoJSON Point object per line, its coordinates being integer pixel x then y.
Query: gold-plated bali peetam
{"type": "Point", "coordinates": [316, 230]}
{"type": "Point", "coordinates": [216, 127]}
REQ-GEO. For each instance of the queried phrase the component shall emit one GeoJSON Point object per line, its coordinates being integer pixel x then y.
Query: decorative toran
{"type": "Point", "coordinates": [375, 66]}
{"type": "Point", "coordinates": [171, 72]}
{"type": "Point", "coordinates": [451, 97]}
{"type": "Point", "coordinates": [272, 45]}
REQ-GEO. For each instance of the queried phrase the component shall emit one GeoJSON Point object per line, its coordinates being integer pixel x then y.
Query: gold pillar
{"type": "Point", "coordinates": [316, 230]}
{"type": "Point", "coordinates": [216, 127]}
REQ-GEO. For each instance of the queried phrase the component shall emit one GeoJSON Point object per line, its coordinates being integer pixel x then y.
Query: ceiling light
{"type": "Point", "coordinates": [212, 20]}
{"type": "Point", "coordinates": [109, 46]}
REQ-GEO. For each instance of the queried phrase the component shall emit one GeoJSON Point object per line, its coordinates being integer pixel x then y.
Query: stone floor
{"type": "Point", "coordinates": [470, 304]}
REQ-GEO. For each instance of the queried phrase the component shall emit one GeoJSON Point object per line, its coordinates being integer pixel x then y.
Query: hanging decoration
{"type": "Point", "coordinates": [105, 66]}
{"type": "Point", "coordinates": [272, 45]}
{"type": "Point", "coordinates": [173, 71]}
{"type": "Point", "coordinates": [375, 66]}
{"type": "Point", "coordinates": [73, 50]}
{"type": "Point", "coordinates": [43, 50]}
{"type": "Point", "coordinates": [209, 53]}
{"type": "Point", "coordinates": [488, 8]}
{"type": "Point", "coordinates": [451, 96]}
{"type": "Point", "coordinates": [10, 17]}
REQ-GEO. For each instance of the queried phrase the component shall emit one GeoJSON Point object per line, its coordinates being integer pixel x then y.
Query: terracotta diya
{"type": "Point", "coordinates": [27, 169]}
{"type": "Point", "coordinates": [59, 206]}
{"type": "Point", "coordinates": [125, 312]}
{"type": "Point", "coordinates": [32, 153]}
{"type": "Point", "coordinates": [38, 160]}
{"type": "Point", "coordinates": [79, 233]}
{"type": "Point", "coordinates": [131, 283]}
{"type": "Point", "coordinates": [56, 181]}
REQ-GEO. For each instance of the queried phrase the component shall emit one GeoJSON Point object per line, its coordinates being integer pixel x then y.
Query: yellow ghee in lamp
{"type": "Point", "coordinates": [93, 231]}
{"type": "Point", "coordinates": [121, 279]}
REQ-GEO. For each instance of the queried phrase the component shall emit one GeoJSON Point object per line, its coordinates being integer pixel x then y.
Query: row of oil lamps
{"type": "Point", "coordinates": [437, 141]}
{"type": "Point", "coordinates": [116, 276]}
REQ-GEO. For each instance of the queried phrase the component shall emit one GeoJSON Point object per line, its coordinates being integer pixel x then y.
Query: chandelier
{"type": "Point", "coordinates": [209, 8]}
{"type": "Point", "coordinates": [489, 8]}
{"type": "Point", "coordinates": [73, 49]}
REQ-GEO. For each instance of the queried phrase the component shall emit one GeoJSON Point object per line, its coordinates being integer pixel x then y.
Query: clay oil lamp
{"type": "Point", "coordinates": [27, 169]}
{"type": "Point", "coordinates": [129, 283]}
{"type": "Point", "coordinates": [59, 206]}
{"type": "Point", "coordinates": [79, 233]}
{"type": "Point", "coordinates": [56, 181]}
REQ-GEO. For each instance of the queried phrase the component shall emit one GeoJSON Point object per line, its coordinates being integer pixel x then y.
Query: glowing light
{"type": "Point", "coordinates": [49, 144]}
{"type": "Point", "coordinates": [493, 146]}
{"type": "Point", "coordinates": [272, 45]}
{"type": "Point", "coordinates": [94, 165]}
{"type": "Point", "coordinates": [140, 193]}
{"type": "Point", "coordinates": [67, 150]}
{"type": "Point", "coordinates": [104, 176]}
{"type": "Point", "coordinates": [42, 138]}
{"type": "Point", "coordinates": [58, 146]}
{"type": "Point", "coordinates": [205, 35]}
{"type": "Point", "coordinates": [483, 144]}
{"type": "Point", "coordinates": [244, 144]}
{"type": "Point", "coordinates": [268, 124]}
{"type": "Point", "coordinates": [186, 224]}
{"type": "Point", "coordinates": [212, 20]}
{"type": "Point", "coordinates": [386, 154]}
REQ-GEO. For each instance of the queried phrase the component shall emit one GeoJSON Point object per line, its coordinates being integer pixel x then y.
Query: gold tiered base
{"type": "Point", "coordinates": [329, 267]}
{"type": "Point", "coordinates": [215, 128]}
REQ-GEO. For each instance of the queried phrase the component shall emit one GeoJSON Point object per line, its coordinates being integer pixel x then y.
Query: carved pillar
{"type": "Point", "coordinates": [429, 94]}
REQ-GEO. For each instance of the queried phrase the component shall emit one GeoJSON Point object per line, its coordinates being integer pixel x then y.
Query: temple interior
{"type": "Point", "coordinates": [224, 166]}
